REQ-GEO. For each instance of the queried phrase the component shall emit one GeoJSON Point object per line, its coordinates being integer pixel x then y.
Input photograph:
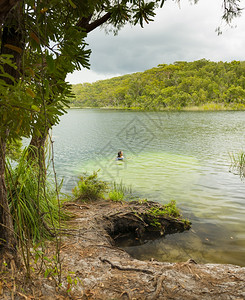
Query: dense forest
{"type": "Point", "coordinates": [202, 83]}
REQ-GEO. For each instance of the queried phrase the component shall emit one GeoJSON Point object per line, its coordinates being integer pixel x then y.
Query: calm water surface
{"type": "Point", "coordinates": [182, 156]}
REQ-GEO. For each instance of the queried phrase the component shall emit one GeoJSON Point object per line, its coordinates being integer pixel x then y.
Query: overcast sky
{"type": "Point", "coordinates": [184, 33]}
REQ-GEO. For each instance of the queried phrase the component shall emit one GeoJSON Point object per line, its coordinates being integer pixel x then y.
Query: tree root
{"type": "Point", "coordinates": [127, 293]}
{"type": "Point", "coordinates": [158, 288]}
{"type": "Point", "coordinates": [75, 204]}
{"type": "Point", "coordinates": [104, 260]}
{"type": "Point", "coordinates": [138, 222]}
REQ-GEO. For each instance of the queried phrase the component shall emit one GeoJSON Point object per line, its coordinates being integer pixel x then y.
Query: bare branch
{"type": "Point", "coordinates": [84, 22]}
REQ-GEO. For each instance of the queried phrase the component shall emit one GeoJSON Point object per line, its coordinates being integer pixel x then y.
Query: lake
{"type": "Point", "coordinates": [182, 156]}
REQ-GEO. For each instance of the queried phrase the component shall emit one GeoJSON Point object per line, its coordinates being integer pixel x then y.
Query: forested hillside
{"type": "Point", "coordinates": [183, 84]}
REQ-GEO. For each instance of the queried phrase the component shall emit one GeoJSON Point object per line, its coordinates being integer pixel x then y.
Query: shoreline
{"type": "Point", "coordinates": [203, 108]}
{"type": "Point", "coordinates": [94, 268]}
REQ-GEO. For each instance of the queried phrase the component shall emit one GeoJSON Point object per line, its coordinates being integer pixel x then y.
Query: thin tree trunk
{"type": "Point", "coordinates": [37, 148]}
{"type": "Point", "coordinates": [39, 141]}
{"type": "Point", "coordinates": [7, 237]}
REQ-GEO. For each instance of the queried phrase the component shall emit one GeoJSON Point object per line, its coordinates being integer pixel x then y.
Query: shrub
{"type": "Point", "coordinates": [90, 188]}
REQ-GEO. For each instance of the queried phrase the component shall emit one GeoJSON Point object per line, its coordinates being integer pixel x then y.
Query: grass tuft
{"type": "Point", "coordinates": [238, 163]}
{"type": "Point", "coordinates": [116, 196]}
{"type": "Point", "coordinates": [32, 200]}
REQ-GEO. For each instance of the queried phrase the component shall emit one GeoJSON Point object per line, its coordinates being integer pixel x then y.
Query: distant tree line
{"type": "Point", "coordinates": [174, 86]}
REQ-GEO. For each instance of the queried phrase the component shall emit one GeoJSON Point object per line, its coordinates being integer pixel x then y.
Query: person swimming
{"type": "Point", "coordinates": [120, 155]}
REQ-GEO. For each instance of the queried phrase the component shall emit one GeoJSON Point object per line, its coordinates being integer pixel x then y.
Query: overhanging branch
{"type": "Point", "coordinates": [84, 22]}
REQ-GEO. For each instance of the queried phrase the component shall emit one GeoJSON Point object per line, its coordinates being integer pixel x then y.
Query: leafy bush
{"type": "Point", "coordinates": [90, 188]}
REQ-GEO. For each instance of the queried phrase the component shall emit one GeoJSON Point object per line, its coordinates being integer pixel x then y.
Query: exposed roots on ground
{"type": "Point", "coordinates": [94, 268]}
{"type": "Point", "coordinates": [141, 221]}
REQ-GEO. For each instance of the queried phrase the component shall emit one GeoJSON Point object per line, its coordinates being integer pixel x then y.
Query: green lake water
{"type": "Point", "coordinates": [182, 156]}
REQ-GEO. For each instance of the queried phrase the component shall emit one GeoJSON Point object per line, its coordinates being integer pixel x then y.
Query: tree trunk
{"type": "Point", "coordinates": [38, 141]}
{"type": "Point", "coordinates": [37, 148]}
{"type": "Point", "coordinates": [7, 236]}
{"type": "Point", "coordinates": [11, 34]}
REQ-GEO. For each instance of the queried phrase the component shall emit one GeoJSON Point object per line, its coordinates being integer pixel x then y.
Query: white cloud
{"type": "Point", "coordinates": [86, 75]}
{"type": "Point", "coordinates": [176, 34]}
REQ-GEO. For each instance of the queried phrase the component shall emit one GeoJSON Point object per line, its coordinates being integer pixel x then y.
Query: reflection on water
{"type": "Point", "coordinates": [179, 155]}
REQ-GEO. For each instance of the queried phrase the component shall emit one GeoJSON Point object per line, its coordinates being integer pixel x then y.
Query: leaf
{"type": "Point", "coordinates": [5, 116]}
{"type": "Point", "coordinates": [50, 63]}
{"type": "Point", "coordinates": [161, 5]}
{"type": "Point", "coordinates": [43, 10]}
{"type": "Point", "coordinates": [8, 76]}
{"type": "Point", "coordinates": [68, 289]}
{"type": "Point", "coordinates": [34, 37]}
{"type": "Point", "coordinates": [30, 92]}
{"type": "Point", "coordinates": [39, 134]}
{"type": "Point", "coordinates": [36, 108]}
{"type": "Point", "coordinates": [19, 126]}
{"type": "Point", "coordinates": [72, 4]}
{"type": "Point", "coordinates": [46, 273]}
{"type": "Point", "coordinates": [14, 48]}
{"type": "Point", "coordinates": [31, 71]}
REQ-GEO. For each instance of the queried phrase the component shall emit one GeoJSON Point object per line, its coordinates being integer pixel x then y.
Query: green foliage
{"type": "Point", "coordinates": [141, 201]}
{"type": "Point", "coordinates": [50, 267]}
{"type": "Point", "coordinates": [48, 39]}
{"type": "Point", "coordinates": [16, 112]}
{"type": "Point", "coordinates": [50, 43]}
{"type": "Point", "coordinates": [116, 195]}
{"type": "Point", "coordinates": [169, 209]}
{"type": "Point", "coordinates": [32, 200]}
{"type": "Point", "coordinates": [72, 281]}
{"type": "Point", "coordinates": [120, 192]}
{"type": "Point", "coordinates": [176, 86]}
{"type": "Point", "coordinates": [90, 188]}
{"type": "Point", "coordinates": [155, 223]}
{"type": "Point", "coordinates": [13, 149]}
